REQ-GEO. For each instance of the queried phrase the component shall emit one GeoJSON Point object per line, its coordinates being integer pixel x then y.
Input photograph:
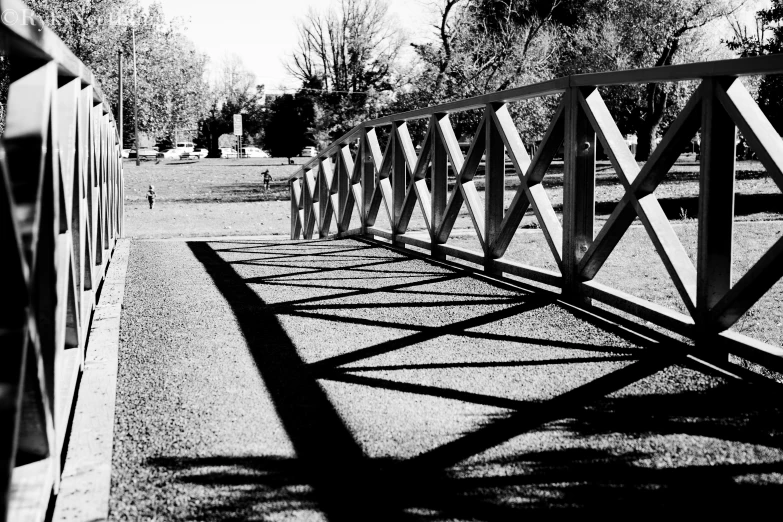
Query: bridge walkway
{"type": "Point", "coordinates": [340, 380]}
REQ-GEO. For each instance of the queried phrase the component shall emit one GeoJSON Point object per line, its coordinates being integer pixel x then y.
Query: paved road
{"type": "Point", "coordinates": [337, 380]}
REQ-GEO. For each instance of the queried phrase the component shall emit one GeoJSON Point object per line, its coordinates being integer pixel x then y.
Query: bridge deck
{"type": "Point", "coordinates": [341, 380]}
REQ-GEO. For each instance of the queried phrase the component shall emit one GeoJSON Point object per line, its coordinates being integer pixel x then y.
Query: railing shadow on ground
{"type": "Point", "coordinates": [594, 465]}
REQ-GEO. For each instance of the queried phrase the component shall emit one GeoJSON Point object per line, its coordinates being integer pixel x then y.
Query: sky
{"type": "Point", "coordinates": [263, 32]}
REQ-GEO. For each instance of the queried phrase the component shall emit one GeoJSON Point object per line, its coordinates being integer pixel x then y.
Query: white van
{"type": "Point", "coordinates": [184, 146]}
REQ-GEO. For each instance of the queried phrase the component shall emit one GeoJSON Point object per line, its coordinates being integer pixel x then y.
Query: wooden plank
{"type": "Point", "coordinates": [312, 212]}
{"type": "Point", "coordinates": [380, 232]}
{"type": "Point", "coordinates": [495, 178]}
{"type": "Point", "coordinates": [649, 177]}
{"type": "Point", "coordinates": [417, 186]}
{"type": "Point", "coordinates": [408, 239]}
{"type": "Point", "coordinates": [750, 288]}
{"type": "Point", "coordinates": [640, 308]}
{"type": "Point", "coordinates": [622, 159]}
{"type": "Point", "coordinates": [367, 174]}
{"type": "Point", "coordinates": [31, 489]}
{"type": "Point", "coordinates": [769, 64]}
{"type": "Point", "coordinates": [755, 127]}
{"type": "Point", "coordinates": [669, 248]}
{"type": "Point", "coordinates": [466, 170]}
{"type": "Point", "coordinates": [14, 342]}
{"type": "Point", "coordinates": [462, 253]}
{"type": "Point", "coordinates": [344, 175]}
{"type": "Point", "coordinates": [545, 88]}
{"type": "Point", "coordinates": [608, 237]}
{"type": "Point", "coordinates": [541, 275]}
{"type": "Point", "coordinates": [535, 172]}
{"type": "Point", "coordinates": [399, 175]}
{"type": "Point", "coordinates": [716, 204]}
{"type": "Point", "coordinates": [84, 494]}
{"type": "Point", "coordinates": [752, 349]}
{"type": "Point", "coordinates": [67, 377]}
{"type": "Point", "coordinates": [578, 189]}
{"type": "Point", "coordinates": [440, 173]}
{"type": "Point", "coordinates": [296, 205]}
{"type": "Point", "coordinates": [507, 132]}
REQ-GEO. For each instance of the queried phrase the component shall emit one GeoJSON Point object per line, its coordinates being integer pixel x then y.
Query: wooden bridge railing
{"type": "Point", "coordinates": [61, 195]}
{"type": "Point", "coordinates": [331, 185]}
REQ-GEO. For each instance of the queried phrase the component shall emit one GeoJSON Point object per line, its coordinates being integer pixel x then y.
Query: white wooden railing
{"type": "Point", "coordinates": [337, 181]}
{"type": "Point", "coordinates": [61, 212]}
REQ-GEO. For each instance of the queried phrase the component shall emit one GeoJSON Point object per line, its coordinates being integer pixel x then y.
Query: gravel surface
{"type": "Point", "coordinates": [335, 380]}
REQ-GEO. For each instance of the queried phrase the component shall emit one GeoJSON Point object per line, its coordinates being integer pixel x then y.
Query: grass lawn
{"type": "Point", "coordinates": [208, 197]}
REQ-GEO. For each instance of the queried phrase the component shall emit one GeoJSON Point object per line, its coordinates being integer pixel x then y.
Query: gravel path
{"type": "Point", "coordinates": [337, 380]}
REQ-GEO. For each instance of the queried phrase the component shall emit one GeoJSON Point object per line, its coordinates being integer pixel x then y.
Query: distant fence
{"type": "Point", "coordinates": [61, 194]}
{"type": "Point", "coordinates": [332, 184]}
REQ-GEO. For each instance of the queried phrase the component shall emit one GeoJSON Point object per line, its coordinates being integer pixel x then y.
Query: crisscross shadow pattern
{"type": "Point", "coordinates": [353, 174]}
{"type": "Point", "coordinates": [413, 390]}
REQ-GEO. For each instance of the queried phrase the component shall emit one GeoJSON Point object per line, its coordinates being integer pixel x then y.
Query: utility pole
{"type": "Point", "coordinates": [135, 101]}
{"type": "Point", "coordinates": [122, 143]}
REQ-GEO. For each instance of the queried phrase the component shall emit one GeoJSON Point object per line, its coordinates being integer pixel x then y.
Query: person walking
{"type": "Point", "coordinates": [267, 180]}
{"type": "Point", "coordinates": [151, 196]}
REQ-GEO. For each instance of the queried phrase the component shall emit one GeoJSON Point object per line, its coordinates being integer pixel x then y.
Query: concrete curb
{"type": "Point", "coordinates": [86, 478]}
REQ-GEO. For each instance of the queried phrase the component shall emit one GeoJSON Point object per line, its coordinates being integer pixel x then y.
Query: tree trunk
{"type": "Point", "coordinates": [648, 128]}
{"type": "Point", "coordinates": [645, 135]}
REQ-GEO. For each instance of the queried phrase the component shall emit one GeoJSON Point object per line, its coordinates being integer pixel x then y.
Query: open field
{"type": "Point", "coordinates": [226, 197]}
{"type": "Point", "coordinates": [207, 197]}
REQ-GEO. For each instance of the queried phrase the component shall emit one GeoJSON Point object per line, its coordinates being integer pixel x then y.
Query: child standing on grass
{"type": "Point", "coordinates": [267, 179]}
{"type": "Point", "coordinates": [151, 196]}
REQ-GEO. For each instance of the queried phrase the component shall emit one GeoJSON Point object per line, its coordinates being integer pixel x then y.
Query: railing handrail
{"type": "Point", "coordinates": [768, 64]}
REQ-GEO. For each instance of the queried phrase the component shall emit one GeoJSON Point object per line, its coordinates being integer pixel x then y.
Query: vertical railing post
{"type": "Point", "coordinates": [398, 180]}
{"type": "Point", "coordinates": [325, 173]}
{"type": "Point", "coordinates": [293, 216]}
{"type": "Point", "coordinates": [716, 209]}
{"type": "Point", "coordinates": [439, 183]}
{"type": "Point", "coordinates": [310, 202]}
{"type": "Point", "coordinates": [343, 174]}
{"type": "Point", "coordinates": [295, 190]}
{"type": "Point", "coordinates": [367, 177]}
{"type": "Point", "coordinates": [494, 186]}
{"type": "Point", "coordinates": [578, 190]}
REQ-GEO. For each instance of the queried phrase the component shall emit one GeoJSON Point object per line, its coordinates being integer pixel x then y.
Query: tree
{"type": "Point", "coordinates": [622, 34]}
{"type": "Point", "coordinates": [768, 39]}
{"type": "Point", "coordinates": [170, 71]}
{"type": "Point", "coordinates": [484, 46]}
{"type": "Point", "coordinates": [351, 47]}
{"type": "Point", "coordinates": [287, 125]}
{"type": "Point", "coordinates": [234, 92]}
{"type": "Point", "coordinates": [346, 59]}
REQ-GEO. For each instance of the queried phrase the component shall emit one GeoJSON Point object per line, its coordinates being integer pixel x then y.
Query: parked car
{"type": "Point", "coordinates": [308, 152]}
{"type": "Point", "coordinates": [170, 154]}
{"type": "Point", "coordinates": [145, 154]}
{"type": "Point", "coordinates": [200, 152]}
{"type": "Point", "coordinates": [184, 146]}
{"type": "Point", "coordinates": [253, 152]}
{"type": "Point", "coordinates": [227, 152]}
{"type": "Point", "coordinates": [126, 153]}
